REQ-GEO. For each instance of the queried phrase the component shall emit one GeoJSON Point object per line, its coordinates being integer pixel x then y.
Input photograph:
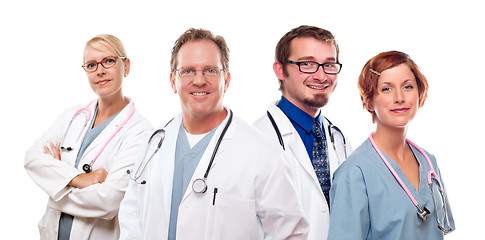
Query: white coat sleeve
{"type": "Point", "coordinates": [277, 203]}
{"type": "Point", "coordinates": [349, 205]}
{"type": "Point", "coordinates": [47, 172]}
{"type": "Point", "coordinates": [103, 200]}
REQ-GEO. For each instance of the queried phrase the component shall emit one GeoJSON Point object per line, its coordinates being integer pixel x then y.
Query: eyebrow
{"type": "Point", "coordinates": [389, 83]}
{"type": "Point", "coordinates": [311, 58]}
{"type": "Point", "coordinates": [90, 61]}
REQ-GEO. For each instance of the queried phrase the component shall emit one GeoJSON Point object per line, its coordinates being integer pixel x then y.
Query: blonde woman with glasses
{"type": "Point", "coordinates": [82, 159]}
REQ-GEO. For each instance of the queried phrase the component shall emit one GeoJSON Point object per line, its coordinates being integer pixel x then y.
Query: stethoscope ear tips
{"type": "Point", "coordinates": [135, 179]}
{"type": "Point", "coordinates": [66, 149]}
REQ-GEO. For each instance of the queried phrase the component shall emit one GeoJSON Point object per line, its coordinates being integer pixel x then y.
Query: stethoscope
{"type": "Point", "coordinates": [88, 113]}
{"type": "Point", "coordinates": [330, 127]}
{"type": "Point", "coordinates": [199, 185]}
{"type": "Point", "coordinates": [422, 212]}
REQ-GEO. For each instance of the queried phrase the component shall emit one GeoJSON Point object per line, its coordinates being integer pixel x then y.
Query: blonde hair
{"type": "Point", "coordinates": [109, 41]}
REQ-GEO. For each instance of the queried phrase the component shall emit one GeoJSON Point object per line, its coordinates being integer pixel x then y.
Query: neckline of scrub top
{"type": "Point", "coordinates": [418, 195]}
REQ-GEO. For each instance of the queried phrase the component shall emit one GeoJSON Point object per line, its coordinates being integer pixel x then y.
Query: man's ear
{"type": "Point", "coordinates": [278, 70]}
{"type": "Point", "coordinates": [227, 81]}
{"type": "Point", "coordinates": [172, 83]}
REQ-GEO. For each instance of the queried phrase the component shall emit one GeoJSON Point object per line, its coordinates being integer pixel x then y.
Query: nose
{"type": "Point", "coordinates": [100, 70]}
{"type": "Point", "coordinates": [199, 78]}
{"type": "Point", "coordinates": [320, 75]}
{"type": "Point", "coordinates": [399, 96]}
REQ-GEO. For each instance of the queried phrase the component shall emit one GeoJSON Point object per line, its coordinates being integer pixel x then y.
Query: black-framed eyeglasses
{"type": "Point", "coordinates": [190, 72]}
{"type": "Point", "coordinates": [107, 62]}
{"type": "Point", "coordinates": [312, 67]}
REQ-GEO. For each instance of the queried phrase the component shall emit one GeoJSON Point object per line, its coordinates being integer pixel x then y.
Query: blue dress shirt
{"type": "Point", "coordinates": [301, 121]}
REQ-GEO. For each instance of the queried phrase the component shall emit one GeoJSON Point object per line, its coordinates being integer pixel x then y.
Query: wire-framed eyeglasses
{"type": "Point", "coordinates": [190, 72]}
{"type": "Point", "coordinates": [107, 62]}
{"type": "Point", "coordinates": [312, 67]}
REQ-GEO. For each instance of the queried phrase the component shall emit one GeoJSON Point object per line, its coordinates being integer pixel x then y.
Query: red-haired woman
{"type": "Point", "coordinates": [389, 188]}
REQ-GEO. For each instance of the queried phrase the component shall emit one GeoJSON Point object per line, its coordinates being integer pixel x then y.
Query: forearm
{"type": "Point", "coordinates": [95, 201]}
{"type": "Point", "coordinates": [49, 173]}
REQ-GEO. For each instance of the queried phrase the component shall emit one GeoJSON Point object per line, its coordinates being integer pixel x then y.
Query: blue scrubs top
{"type": "Point", "coordinates": [186, 161]}
{"type": "Point", "coordinates": [367, 202]}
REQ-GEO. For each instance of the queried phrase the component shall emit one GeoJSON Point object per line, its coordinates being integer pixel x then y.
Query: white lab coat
{"type": "Point", "coordinates": [314, 203]}
{"type": "Point", "coordinates": [256, 199]}
{"type": "Point", "coordinates": [95, 207]}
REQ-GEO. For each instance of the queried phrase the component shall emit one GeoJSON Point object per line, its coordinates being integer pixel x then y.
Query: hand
{"type": "Point", "coordinates": [53, 151]}
{"type": "Point", "coordinates": [87, 179]}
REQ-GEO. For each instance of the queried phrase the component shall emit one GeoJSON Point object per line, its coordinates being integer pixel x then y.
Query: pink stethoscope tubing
{"type": "Point", "coordinates": [431, 172]}
{"type": "Point", "coordinates": [89, 115]}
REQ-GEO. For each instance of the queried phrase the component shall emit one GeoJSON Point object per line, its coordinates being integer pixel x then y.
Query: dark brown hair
{"type": "Point", "coordinates": [283, 47]}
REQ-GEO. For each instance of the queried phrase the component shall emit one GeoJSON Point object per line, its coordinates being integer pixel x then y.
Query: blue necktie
{"type": "Point", "coordinates": [320, 159]}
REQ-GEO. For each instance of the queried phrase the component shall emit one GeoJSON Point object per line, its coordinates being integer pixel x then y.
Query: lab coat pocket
{"type": "Point", "coordinates": [43, 230]}
{"type": "Point", "coordinates": [233, 218]}
{"type": "Point", "coordinates": [49, 224]}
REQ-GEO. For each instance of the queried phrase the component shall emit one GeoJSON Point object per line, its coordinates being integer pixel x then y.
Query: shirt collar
{"type": "Point", "coordinates": [297, 115]}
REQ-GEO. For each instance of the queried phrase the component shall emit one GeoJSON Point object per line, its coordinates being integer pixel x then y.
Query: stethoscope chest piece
{"type": "Point", "coordinates": [423, 213]}
{"type": "Point", "coordinates": [199, 186]}
{"type": "Point", "coordinates": [87, 168]}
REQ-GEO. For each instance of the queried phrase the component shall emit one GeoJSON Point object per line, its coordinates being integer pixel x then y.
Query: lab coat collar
{"type": "Point", "coordinates": [332, 154]}
{"type": "Point", "coordinates": [293, 143]}
{"type": "Point", "coordinates": [108, 131]}
{"type": "Point", "coordinates": [204, 161]}
{"type": "Point", "coordinates": [300, 117]}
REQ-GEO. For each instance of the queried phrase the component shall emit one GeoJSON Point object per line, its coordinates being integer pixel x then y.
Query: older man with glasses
{"type": "Point", "coordinates": [214, 176]}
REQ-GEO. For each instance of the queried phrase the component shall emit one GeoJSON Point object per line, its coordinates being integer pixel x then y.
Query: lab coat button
{"type": "Point", "coordinates": [323, 208]}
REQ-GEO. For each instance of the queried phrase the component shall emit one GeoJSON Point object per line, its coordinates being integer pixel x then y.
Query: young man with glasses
{"type": "Point", "coordinates": [307, 66]}
{"type": "Point", "coordinates": [214, 176]}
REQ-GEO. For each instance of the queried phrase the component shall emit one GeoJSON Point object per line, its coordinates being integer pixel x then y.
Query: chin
{"type": "Point", "coordinates": [317, 101]}
{"type": "Point", "coordinates": [197, 109]}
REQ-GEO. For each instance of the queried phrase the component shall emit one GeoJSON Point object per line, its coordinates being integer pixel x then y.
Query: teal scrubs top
{"type": "Point", "coordinates": [367, 202]}
{"type": "Point", "coordinates": [186, 161]}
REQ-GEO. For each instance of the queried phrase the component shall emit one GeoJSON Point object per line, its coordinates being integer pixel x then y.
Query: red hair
{"type": "Point", "coordinates": [369, 76]}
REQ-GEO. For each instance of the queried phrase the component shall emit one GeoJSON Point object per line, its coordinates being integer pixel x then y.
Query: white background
{"type": "Point", "coordinates": [42, 42]}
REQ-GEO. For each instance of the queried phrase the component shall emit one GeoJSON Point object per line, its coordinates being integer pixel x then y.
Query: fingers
{"type": "Point", "coordinates": [53, 151]}
{"type": "Point", "coordinates": [86, 179]}
{"type": "Point", "coordinates": [47, 150]}
{"type": "Point", "coordinates": [56, 152]}
{"type": "Point", "coordinates": [101, 175]}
